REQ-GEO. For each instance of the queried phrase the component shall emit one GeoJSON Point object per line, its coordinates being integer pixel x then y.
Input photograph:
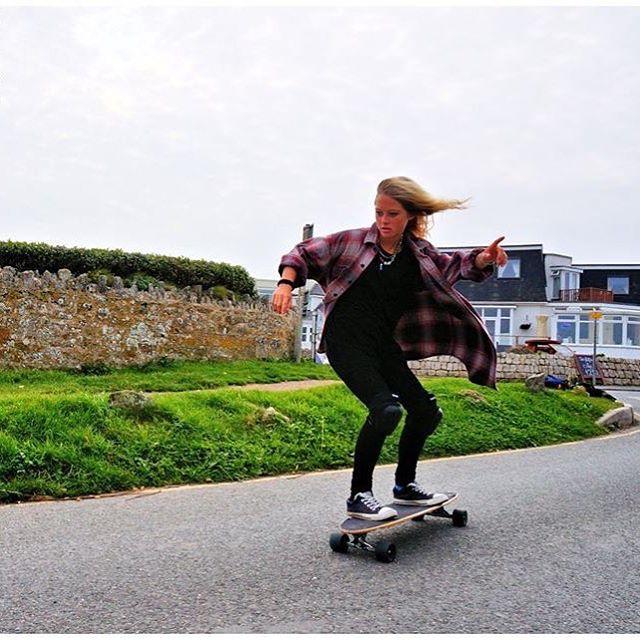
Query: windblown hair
{"type": "Point", "coordinates": [417, 202]}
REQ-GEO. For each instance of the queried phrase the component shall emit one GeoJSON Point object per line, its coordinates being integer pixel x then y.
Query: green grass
{"type": "Point", "coordinates": [164, 375]}
{"type": "Point", "coordinates": [59, 441]}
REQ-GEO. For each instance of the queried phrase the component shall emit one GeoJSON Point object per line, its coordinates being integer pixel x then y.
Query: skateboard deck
{"type": "Point", "coordinates": [353, 531]}
{"type": "Point", "coordinates": [406, 513]}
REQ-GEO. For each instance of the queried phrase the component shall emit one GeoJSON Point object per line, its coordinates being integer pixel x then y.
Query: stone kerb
{"type": "Point", "coordinates": [58, 320]}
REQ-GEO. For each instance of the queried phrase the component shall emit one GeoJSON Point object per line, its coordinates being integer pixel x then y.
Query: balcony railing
{"type": "Point", "coordinates": [589, 294]}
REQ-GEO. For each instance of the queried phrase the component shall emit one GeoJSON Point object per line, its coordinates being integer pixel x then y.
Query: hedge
{"type": "Point", "coordinates": [131, 267]}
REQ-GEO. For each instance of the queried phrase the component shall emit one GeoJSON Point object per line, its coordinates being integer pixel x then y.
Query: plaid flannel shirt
{"type": "Point", "coordinates": [443, 322]}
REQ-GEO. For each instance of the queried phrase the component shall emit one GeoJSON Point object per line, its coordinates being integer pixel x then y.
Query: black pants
{"type": "Point", "coordinates": [379, 375]}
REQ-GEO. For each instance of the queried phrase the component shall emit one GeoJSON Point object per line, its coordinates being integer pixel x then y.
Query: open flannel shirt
{"type": "Point", "coordinates": [442, 322]}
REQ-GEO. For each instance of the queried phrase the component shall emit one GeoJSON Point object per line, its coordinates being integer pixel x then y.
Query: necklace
{"type": "Point", "coordinates": [387, 258]}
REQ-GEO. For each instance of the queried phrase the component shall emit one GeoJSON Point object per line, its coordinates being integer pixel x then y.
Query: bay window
{"type": "Point", "coordinates": [566, 328]}
{"type": "Point", "coordinates": [613, 330]}
{"type": "Point", "coordinates": [633, 331]}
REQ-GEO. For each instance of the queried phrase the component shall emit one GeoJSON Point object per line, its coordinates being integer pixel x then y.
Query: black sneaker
{"type": "Point", "coordinates": [413, 493]}
{"type": "Point", "coordinates": [366, 507]}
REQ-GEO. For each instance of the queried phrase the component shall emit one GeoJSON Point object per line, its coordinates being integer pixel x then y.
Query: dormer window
{"type": "Point", "coordinates": [571, 280]}
{"type": "Point", "coordinates": [511, 269]}
{"type": "Point", "coordinates": [618, 284]}
{"type": "Point", "coordinates": [565, 283]}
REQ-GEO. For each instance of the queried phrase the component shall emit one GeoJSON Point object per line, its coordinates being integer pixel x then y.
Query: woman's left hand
{"type": "Point", "coordinates": [493, 254]}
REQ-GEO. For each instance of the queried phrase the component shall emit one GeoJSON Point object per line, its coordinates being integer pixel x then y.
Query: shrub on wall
{"type": "Point", "coordinates": [131, 267]}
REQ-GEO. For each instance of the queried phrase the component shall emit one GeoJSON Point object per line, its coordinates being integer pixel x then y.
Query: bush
{"type": "Point", "coordinates": [143, 269]}
{"type": "Point", "coordinates": [94, 369]}
{"type": "Point", "coordinates": [220, 293]}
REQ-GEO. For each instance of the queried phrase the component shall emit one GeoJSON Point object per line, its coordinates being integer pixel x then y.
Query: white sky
{"type": "Point", "coordinates": [217, 133]}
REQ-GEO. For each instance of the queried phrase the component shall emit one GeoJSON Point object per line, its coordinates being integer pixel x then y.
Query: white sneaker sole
{"type": "Point", "coordinates": [386, 513]}
{"type": "Point", "coordinates": [438, 498]}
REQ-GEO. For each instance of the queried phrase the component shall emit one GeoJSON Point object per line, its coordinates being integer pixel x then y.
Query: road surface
{"type": "Point", "coordinates": [552, 546]}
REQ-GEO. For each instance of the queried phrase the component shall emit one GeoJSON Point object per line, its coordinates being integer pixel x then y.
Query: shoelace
{"type": "Point", "coordinates": [417, 488]}
{"type": "Point", "coordinates": [370, 502]}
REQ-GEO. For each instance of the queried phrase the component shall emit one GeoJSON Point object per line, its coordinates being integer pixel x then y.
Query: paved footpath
{"type": "Point", "coordinates": [552, 546]}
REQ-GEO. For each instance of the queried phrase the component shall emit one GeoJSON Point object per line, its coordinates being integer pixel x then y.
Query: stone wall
{"type": "Point", "coordinates": [518, 366]}
{"type": "Point", "coordinates": [60, 321]}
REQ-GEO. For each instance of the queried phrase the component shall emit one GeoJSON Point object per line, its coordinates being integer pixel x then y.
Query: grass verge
{"type": "Point", "coordinates": [70, 443]}
{"type": "Point", "coordinates": [162, 375]}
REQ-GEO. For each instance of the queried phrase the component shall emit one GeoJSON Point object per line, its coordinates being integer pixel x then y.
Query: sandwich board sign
{"type": "Point", "coordinates": [587, 366]}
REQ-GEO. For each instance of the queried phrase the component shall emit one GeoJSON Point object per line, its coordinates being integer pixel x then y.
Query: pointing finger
{"type": "Point", "coordinates": [495, 243]}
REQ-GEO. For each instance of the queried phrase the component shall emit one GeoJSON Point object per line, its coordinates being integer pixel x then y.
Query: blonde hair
{"type": "Point", "coordinates": [417, 202]}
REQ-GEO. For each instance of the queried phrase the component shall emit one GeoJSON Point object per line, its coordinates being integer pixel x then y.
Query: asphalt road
{"type": "Point", "coordinates": [552, 546]}
{"type": "Point", "coordinates": [629, 395]}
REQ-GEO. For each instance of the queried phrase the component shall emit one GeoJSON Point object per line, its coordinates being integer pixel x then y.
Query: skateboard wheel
{"type": "Point", "coordinates": [385, 551]}
{"type": "Point", "coordinates": [459, 518]}
{"type": "Point", "coordinates": [339, 542]}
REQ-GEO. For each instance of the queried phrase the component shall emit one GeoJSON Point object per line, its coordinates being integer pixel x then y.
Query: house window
{"type": "Point", "coordinates": [498, 321]}
{"type": "Point", "coordinates": [566, 328]}
{"type": "Point", "coordinates": [585, 329]}
{"type": "Point", "coordinates": [633, 331]}
{"type": "Point", "coordinates": [570, 280]}
{"type": "Point", "coordinates": [612, 330]}
{"type": "Point", "coordinates": [511, 269]}
{"type": "Point", "coordinates": [618, 284]}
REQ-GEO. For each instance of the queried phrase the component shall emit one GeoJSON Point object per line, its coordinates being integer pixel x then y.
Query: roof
{"type": "Point", "coordinates": [512, 247]}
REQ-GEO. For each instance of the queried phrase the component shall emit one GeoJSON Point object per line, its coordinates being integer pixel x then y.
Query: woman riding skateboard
{"type": "Point", "coordinates": [389, 298]}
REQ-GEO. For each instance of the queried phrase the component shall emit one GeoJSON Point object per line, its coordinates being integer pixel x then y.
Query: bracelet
{"type": "Point", "coordinates": [285, 281]}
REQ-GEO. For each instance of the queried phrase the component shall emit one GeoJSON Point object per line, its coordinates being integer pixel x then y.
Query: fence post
{"type": "Point", "coordinates": [307, 232]}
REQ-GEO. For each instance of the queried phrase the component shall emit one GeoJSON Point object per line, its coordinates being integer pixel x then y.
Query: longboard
{"type": "Point", "coordinates": [353, 531]}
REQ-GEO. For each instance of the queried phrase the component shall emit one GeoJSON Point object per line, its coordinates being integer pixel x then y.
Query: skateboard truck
{"type": "Point", "coordinates": [383, 551]}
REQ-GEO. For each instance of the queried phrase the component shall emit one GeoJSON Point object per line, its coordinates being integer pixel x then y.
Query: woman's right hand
{"type": "Point", "coordinates": [281, 301]}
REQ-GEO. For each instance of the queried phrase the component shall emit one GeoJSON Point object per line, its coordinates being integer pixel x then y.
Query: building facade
{"type": "Point", "coordinates": [537, 295]}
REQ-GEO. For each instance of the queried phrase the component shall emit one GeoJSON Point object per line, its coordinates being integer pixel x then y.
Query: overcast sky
{"type": "Point", "coordinates": [217, 133]}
